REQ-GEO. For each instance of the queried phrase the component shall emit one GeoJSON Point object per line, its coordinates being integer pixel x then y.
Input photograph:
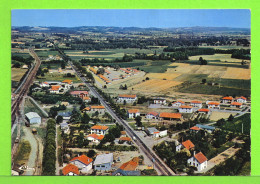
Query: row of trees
{"type": "Point", "coordinates": [18, 61]}
{"type": "Point", "coordinates": [49, 152]}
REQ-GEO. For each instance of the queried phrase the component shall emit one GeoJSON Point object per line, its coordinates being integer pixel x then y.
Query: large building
{"type": "Point", "coordinates": [127, 98]}
{"type": "Point", "coordinates": [103, 162]}
{"type": "Point", "coordinates": [99, 129]}
{"type": "Point", "coordinates": [33, 117]}
{"type": "Point", "coordinates": [83, 162]}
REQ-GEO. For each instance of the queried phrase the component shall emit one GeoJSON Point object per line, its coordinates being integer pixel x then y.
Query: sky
{"type": "Point", "coordinates": [160, 18]}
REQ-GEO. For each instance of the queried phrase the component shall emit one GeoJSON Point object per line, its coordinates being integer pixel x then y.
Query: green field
{"type": "Point", "coordinates": [57, 77]}
{"type": "Point", "coordinates": [46, 53]}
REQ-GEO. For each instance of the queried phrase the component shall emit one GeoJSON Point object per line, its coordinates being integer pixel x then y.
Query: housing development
{"type": "Point", "coordinates": [128, 101]}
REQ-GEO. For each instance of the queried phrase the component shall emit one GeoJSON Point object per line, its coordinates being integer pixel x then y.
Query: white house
{"type": "Point", "coordinates": [152, 115]}
{"type": "Point", "coordinates": [64, 126]}
{"type": "Point", "coordinates": [186, 144]}
{"type": "Point", "coordinates": [236, 105]}
{"type": "Point", "coordinates": [83, 162]}
{"type": "Point", "coordinates": [159, 101]}
{"type": "Point", "coordinates": [199, 161]}
{"type": "Point", "coordinates": [33, 117]}
{"type": "Point", "coordinates": [99, 129]}
{"type": "Point", "coordinates": [227, 99]}
{"type": "Point", "coordinates": [132, 113]}
{"type": "Point", "coordinates": [241, 99]}
{"type": "Point", "coordinates": [101, 109]}
{"type": "Point", "coordinates": [178, 103]}
{"type": "Point", "coordinates": [213, 105]}
{"type": "Point", "coordinates": [103, 162]}
{"type": "Point", "coordinates": [156, 133]}
{"type": "Point", "coordinates": [127, 98]}
{"type": "Point", "coordinates": [95, 138]}
{"type": "Point", "coordinates": [70, 170]}
{"type": "Point", "coordinates": [56, 89]}
{"type": "Point", "coordinates": [185, 109]}
{"type": "Point", "coordinates": [45, 84]}
{"type": "Point", "coordinates": [196, 103]}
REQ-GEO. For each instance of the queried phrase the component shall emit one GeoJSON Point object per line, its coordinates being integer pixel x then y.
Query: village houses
{"type": "Point", "coordinates": [199, 161]}
{"type": "Point", "coordinates": [132, 113]}
{"type": "Point", "coordinates": [127, 98]}
{"type": "Point", "coordinates": [99, 129]}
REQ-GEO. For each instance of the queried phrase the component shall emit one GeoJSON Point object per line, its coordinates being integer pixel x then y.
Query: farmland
{"type": "Point", "coordinates": [17, 74]}
{"type": "Point", "coordinates": [220, 57]}
{"type": "Point", "coordinates": [218, 115]}
{"type": "Point", "coordinates": [57, 77]}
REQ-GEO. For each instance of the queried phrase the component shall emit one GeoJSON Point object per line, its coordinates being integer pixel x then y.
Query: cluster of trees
{"type": "Point", "coordinates": [142, 100]}
{"type": "Point", "coordinates": [18, 61]}
{"type": "Point", "coordinates": [54, 110]}
{"type": "Point", "coordinates": [84, 71]}
{"type": "Point", "coordinates": [54, 98]}
{"type": "Point", "coordinates": [203, 61]}
{"type": "Point", "coordinates": [125, 58]}
{"type": "Point", "coordinates": [113, 133]}
{"type": "Point", "coordinates": [123, 87]}
{"type": "Point", "coordinates": [49, 152]}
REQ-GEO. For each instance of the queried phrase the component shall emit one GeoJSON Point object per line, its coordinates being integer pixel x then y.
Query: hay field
{"type": "Point", "coordinates": [155, 85]}
{"type": "Point", "coordinates": [221, 57]}
{"type": "Point", "coordinates": [218, 115]}
{"type": "Point", "coordinates": [167, 76]}
{"type": "Point", "coordinates": [17, 74]}
{"type": "Point", "coordinates": [237, 73]}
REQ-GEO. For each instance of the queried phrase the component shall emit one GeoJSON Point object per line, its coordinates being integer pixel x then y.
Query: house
{"type": "Point", "coordinates": [65, 115]}
{"type": "Point", "coordinates": [156, 133]}
{"type": "Point", "coordinates": [125, 139]}
{"type": "Point", "coordinates": [213, 105]}
{"type": "Point", "coordinates": [127, 98]}
{"type": "Point", "coordinates": [64, 126]}
{"type": "Point", "coordinates": [100, 108]}
{"type": "Point", "coordinates": [120, 172]}
{"type": "Point", "coordinates": [195, 129]}
{"type": "Point", "coordinates": [123, 133]}
{"type": "Point", "coordinates": [70, 170]}
{"type": "Point", "coordinates": [185, 109]}
{"type": "Point", "coordinates": [103, 162]}
{"type": "Point", "coordinates": [186, 144]}
{"type": "Point", "coordinates": [236, 105]}
{"type": "Point", "coordinates": [83, 162]}
{"type": "Point", "coordinates": [64, 103]}
{"type": "Point", "coordinates": [67, 81]}
{"type": "Point", "coordinates": [196, 103]}
{"type": "Point", "coordinates": [159, 101]}
{"type": "Point", "coordinates": [55, 89]}
{"type": "Point", "coordinates": [227, 99]}
{"type": "Point", "coordinates": [178, 103]}
{"type": "Point", "coordinates": [241, 99]}
{"type": "Point", "coordinates": [170, 116]}
{"type": "Point", "coordinates": [130, 165]}
{"type": "Point", "coordinates": [203, 111]}
{"type": "Point", "coordinates": [95, 138]}
{"type": "Point", "coordinates": [99, 129]}
{"type": "Point", "coordinates": [44, 84]}
{"type": "Point", "coordinates": [33, 117]}
{"type": "Point", "coordinates": [208, 128]}
{"type": "Point", "coordinates": [132, 113]}
{"type": "Point", "coordinates": [199, 161]}
{"type": "Point", "coordinates": [152, 115]}
{"type": "Point", "coordinates": [79, 94]}
{"type": "Point", "coordinates": [86, 99]}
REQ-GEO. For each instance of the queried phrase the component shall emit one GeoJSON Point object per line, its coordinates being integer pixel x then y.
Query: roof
{"type": "Point", "coordinates": [170, 115]}
{"type": "Point", "coordinates": [129, 166]}
{"type": "Point", "coordinates": [65, 103]}
{"type": "Point", "coordinates": [127, 173]}
{"type": "Point", "coordinates": [244, 98]}
{"type": "Point", "coordinates": [194, 128]}
{"type": "Point", "coordinates": [133, 111]}
{"type": "Point", "coordinates": [86, 109]}
{"type": "Point", "coordinates": [200, 157]}
{"type": "Point", "coordinates": [78, 92]}
{"type": "Point", "coordinates": [123, 132]}
{"type": "Point", "coordinates": [179, 101]}
{"type": "Point", "coordinates": [86, 98]}
{"type": "Point", "coordinates": [99, 127]}
{"type": "Point", "coordinates": [127, 96]}
{"type": "Point", "coordinates": [31, 115]}
{"type": "Point", "coordinates": [213, 103]}
{"type": "Point", "coordinates": [84, 159]}
{"type": "Point", "coordinates": [95, 136]}
{"type": "Point", "coordinates": [236, 103]}
{"type": "Point", "coordinates": [125, 139]}
{"type": "Point", "coordinates": [188, 144]}
{"type": "Point", "coordinates": [67, 81]}
{"type": "Point", "coordinates": [97, 107]}
{"type": "Point", "coordinates": [64, 114]}
{"type": "Point", "coordinates": [70, 168]}
{"type": "Point", "coordinates": [205, 127]}
{"type": "Point", "coordinates": [104, 158]}
{"type": "Point", "coordinates": [55, 87]}
{"type": "Point", "coordinates": [227, 98]}
{"type": "Point", "coordinates": [153, 113]}
{"type": "Point", "coordinates": [64, 124]}
{"type": "Point", "coordinates": [185, 107]}
{"type": "Point", "coordinates": [203, 110]}
{"type": "Point", "coordinates": [152, 130]}
{"type": "Point", "coordinates": [196, 101]}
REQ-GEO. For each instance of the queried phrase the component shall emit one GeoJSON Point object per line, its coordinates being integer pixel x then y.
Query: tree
{"type": "Point", "coordinates": [231, 117]}
{"type": "Point", "coordinates": [85, 118]}
{"type": "Point", "coordinates": [53, 112]}
{"type": "Point", "coordinates": [124, 102]}
{"type": "Point", "coordinates": [91, 153]}
{"type": "Point", "coordinates": [101, 71]}
{"type": "Point", "coordinates": [147, 78]}
{"type": "Point", "coordinates": [204, 81]}
{"type": "Point", "coordinates": [105, 86]}
{"type": "Point", "coordinates": [125, 87]}
{"type": "Point", "coordinates": [59, 119]}
{"type": "Point", "coordinates": [63, 65]}
{"type": "Point", "coordinates": [83, 106]}
{"type": "Point", "coordinates": [138, 120]}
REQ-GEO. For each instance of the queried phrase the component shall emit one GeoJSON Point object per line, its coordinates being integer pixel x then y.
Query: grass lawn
{"type": "Point", "coordinates": [23, 153]}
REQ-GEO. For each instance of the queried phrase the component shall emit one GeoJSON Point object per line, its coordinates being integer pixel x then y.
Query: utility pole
{"type": "Point", "coordinates": [242, 128]}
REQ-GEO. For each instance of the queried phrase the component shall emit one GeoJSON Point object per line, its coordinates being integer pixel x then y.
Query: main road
{"type": "Point", "coordinates": [158, 163]}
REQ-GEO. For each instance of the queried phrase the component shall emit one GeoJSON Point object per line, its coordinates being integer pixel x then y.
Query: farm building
{"type": "Point", "coordinates": [199, 161]}
{"type": "Point", "coordinates": [159, 101]}
{"type": "Point", "coordinates": [132, 113]}
{"type": "Point", "coordinates": [241, 99]}
{"type": "Point", "coordinates": [196, 103]}
{"type": "Point", "coordinates": [236, 105]}
{"type": "Point", "coordinates": [99, 129]}
{"type": "Point", "coordinates": [127, 98]}
{"type": "Point", "coordinates": [156, 133]}
{"type": "Point", "coordinates": [178, 103]}
{"type": "Point", "coordinates": [103, 162]}
{"type": "Point", "coordinates": [170, 116]}
{"type": "Point", "coordinates": [208, 128]}
{"type": "Point", "coordinates": [95, 138]}
{"type": "Point", "coordinates": [33, 117]}
{"type": "Point", "coordinates": [152, 115]}
{"type": "Point", "coordinates": [185, 109]}
{"type": "Point", "coordinates": [213, 105]}
{"type": "Point", "coordinates": [204, 111]}
{"type": "Point", "coordinates": [227, 99]}
{"type": "Point", "coordinates": [83, 162]}
{"type": "Point", "coordinates": [194, 129]}
{"type": "Point", "coordinates": [70, 170]}
{"type": "Point", "coordinates": [186, 144]}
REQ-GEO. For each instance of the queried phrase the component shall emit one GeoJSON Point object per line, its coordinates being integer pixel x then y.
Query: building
{"type": "Point", "coordinates": [199, 161]}
{"type": "Point", "coordinates": [86, 99]}
{"type": "Point", "coordinates": [132, 113]}
{"type": "Point", "coordinates": [236, 105]}
{"type": "Point", "coordinates": [83, 162]}
{"type": "Point", "coordinates": [95, 138]}
{"type": "Point", "coordinates": [56, 89]}
{"type": "Point", "coordinates": [208, 128]}
{"type": "Point", "coordinates": [227, 99]}
{"type": "Point", "coordinates": [152, 115]}
{"type": "Point", "coordinates": [65, 115]}
{"type": "Point", "coordinates": [103, 162]}
{"type": "Point", "coordinates": [120, 172]}
{"type": "Point", "coordinates": [79, 94]}
{"type": "Point", "coordinates": [64, 103]}
{"type": "Point", "coordinates": [125, 139]}
{"type": "Point", "coordinates": [70, 170]}
{"type": "Point", "coordinates": [33, 117]}
{"type": "Point", "coordinates": [170, 116]}
{"type": "Point", "coordinates": [67, 81]}
{"type": "Point", "coordinates": [99, 129]}
{"type": "Point", "coordinates": [185, 109]}
{"type": "Point", "coordinates": [194, 129]}
{"type": "Point", "coordinates": [178, 103]}
{"type": "Point", "coordinates": [204, 111]}
{"type": "Point", "coordinates": [213, 105]}
{"type": "Point", "coordinates": [186, 144]}
{"type": "Point", "coordinates": [159, 101]}
{"type": "Point", "coordinates": [156, 133]}
{"type": "Point", "coordinates": [130, 165]}
{"type": "Point", "coordinates": [127, 98]}
{"type": "Point", "coordinates": [64, 126]}
{"type": "Point", "coordinates": [241, 99]}
{"type": "Point", "coordinates": [196, 103]}
{"type": "Point", "coordinates": [99, 108]}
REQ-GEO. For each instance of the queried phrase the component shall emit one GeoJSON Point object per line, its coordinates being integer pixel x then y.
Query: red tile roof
{"type": "Point", "coordinates": [236, 103]}
{"type": "Point", "coordinates": [55, 87]}
{"type": "Point", "coordinates": [83, 158]}
{"type": "Point", "coordinates": [78, 92]}
{"type": "Point", "coordinates": [196, 102]}
{"type": "Point", "coordinates": [70, 168]}
{"type": "Point", "coordinates": [188, 144]}
{"type": "Point", "coordinates": [153, 113]}
{"type": "Point", "coordinates": [129, 166]}
{"type": "Point", "coordinates": [203, 110]}
{"type": "Point", "coordinates": [95, 136]}
{"type": "Point", "coordinates": [123, 132]}
{"type": "Point", "coordinates": [133, 111]}
{"type": "Point", "coordinates": [213, 103]}
{"type": "Point", "coordinates": [97, 107]}
{"type": "Point", "coordinates": [125, 139]}
{"type": "Point", "coordinates": [170, 115]}
{"type": "Point", "coordinates": [200, 157]}
{"type": "Point", "coordinates": [194, 128]}
{"type": "Point", "coordinates": [99, 127]}
{"type": "Point", "coordinates": [179, 101]}
{"type": "Point", "coordinates": [186, 107]}
{"type": "Point", "coordinates": [67, 81]}
{"type": "Point", "coordinates": [227, 98]}
{"type": "Point", "coordinates": [244, 98]}
{"type": "Point", "coordinates": [127, 96]}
